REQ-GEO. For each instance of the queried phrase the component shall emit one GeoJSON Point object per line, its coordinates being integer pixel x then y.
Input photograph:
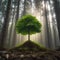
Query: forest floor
{"type": "Point", "coordinates": [31, 51]}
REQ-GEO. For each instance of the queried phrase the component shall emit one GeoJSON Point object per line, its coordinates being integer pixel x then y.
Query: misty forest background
{"type": "Point", "coordinates": [46, 11]}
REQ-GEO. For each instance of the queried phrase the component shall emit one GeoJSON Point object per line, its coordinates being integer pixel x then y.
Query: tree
{"type": "Point", "coordinates": [28, 24]}
{"type": "Point", "coordinates": [57, 11]}
{"type": "Point", "coordinates": [5, 25]}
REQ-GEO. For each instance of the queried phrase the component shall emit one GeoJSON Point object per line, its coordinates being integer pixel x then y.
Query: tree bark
{"type": "Point", "coordinates": [28, 37]}
{"type": "Point", "coordinates": [47, 27]}
{"type": "Point", "coordinates": [57, 11]}
{"type": "Point", "coordinates": [17, 16]}
{"type": "Point", "coordinates": [5, 25]}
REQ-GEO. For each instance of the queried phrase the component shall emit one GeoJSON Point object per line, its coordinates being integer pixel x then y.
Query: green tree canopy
{"type": "Point", "coordinates": [28, 24]}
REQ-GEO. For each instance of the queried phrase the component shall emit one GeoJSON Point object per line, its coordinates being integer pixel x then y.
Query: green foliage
{"type": "Point", "coordinates": [28, 25]}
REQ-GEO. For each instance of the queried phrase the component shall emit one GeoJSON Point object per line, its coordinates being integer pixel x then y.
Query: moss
{"type": "Point", "coordinates": [29, 46]}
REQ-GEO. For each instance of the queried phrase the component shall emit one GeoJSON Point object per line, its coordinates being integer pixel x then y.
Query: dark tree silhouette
{"type": "Point", "coordinates": [5, 25]}
{"type": "Point", "coordinates": [57, 10]}
{"type": "Point", "coordinates": [17, 16]}
{"type": "Point", "coordinates": [28, 25]}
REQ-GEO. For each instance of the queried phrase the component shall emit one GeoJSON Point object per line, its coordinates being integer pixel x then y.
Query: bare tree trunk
{"type": "Point", "coordinates": [47, 28]}
{"type": "Point", "coordinates": [17, 16]}
{"type": "Point", "coordinates": [5, 25]}
{"type": "Point", "coordinates": [57, 11]}
{"type": "Point", "coordinates": [11, 28]}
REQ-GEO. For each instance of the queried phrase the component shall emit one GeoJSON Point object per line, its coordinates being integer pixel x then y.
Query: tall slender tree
{"type": "Point", "coordinates": [5, 25]}
{"type": "Point", "coordinates": [46, 23]}
{"type": "Point", "coordinates": [57, 10]}
{"type": "Point", "coordinates": [10, 35]}
{"type": "Point", "coordinates": [17, 16]}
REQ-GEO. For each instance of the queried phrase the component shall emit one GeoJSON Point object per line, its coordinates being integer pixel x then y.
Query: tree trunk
{"type": "Point", "coordinates": [28, 37]}
{"type": "Point", "coordinates": [5, 25]}
{"type": "Point", "coordinates": [57, 11]}
{"type": "Point", "coordinates": [17, 16]}
{"type": "Point", "coordinates": [11, 28]}
{"type": "Point", "coordinates": [47, 27]}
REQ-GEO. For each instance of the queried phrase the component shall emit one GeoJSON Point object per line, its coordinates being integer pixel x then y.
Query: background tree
{"type": "Point", "coordinates": [57, 11]}
{"type": "Point", "coordinates": [28, 25]}
{"type": "Point", "coordinates": [5, 24]}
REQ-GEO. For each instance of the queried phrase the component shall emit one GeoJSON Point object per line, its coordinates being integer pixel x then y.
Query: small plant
{"type": "Point", "coordinates": [28, 25]}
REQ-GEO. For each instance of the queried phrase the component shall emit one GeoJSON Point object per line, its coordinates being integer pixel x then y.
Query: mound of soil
{"type": "Point", "coordinates": [31, 51]}
{"type": "Point", "coordinates": [29, 46]}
